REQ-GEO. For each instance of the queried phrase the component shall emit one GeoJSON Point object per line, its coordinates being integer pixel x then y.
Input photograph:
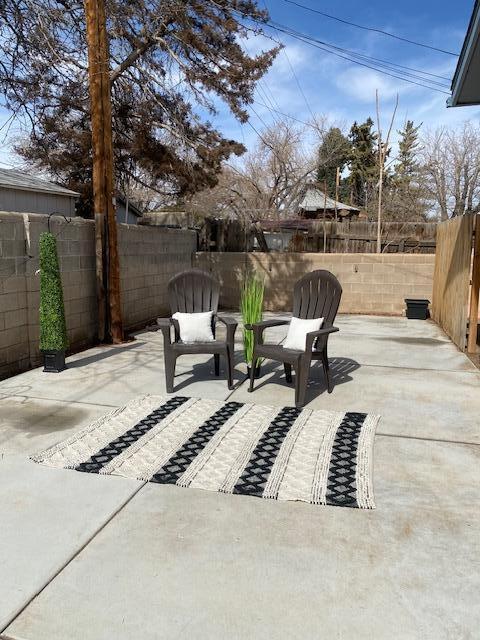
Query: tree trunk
{"type": "Point", "coordinates": [262, 243]}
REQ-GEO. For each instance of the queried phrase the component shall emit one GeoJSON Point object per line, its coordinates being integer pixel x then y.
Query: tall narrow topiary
{"type": "Point", "coordinates": [53, 330]}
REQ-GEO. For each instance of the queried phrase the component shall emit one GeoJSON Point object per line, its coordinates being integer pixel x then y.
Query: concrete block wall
{"type": "Point", "coordinates": [372, 284]}
{"type": "Point", "coordinates": [148, 258]}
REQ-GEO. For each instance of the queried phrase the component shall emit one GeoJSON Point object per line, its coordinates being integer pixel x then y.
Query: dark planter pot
{"type": "Point", "coordinates": [257, 371]}
{"type": "Point", "coordinates": [54, 361]}
{"type": "Point", "coordinates": [417, 308]}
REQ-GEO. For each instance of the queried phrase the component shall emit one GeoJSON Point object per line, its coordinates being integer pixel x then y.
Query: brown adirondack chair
{"type": "Point", "coordinates": [195, 291]}
{"type": "Point", "coordinates": [315, 295]}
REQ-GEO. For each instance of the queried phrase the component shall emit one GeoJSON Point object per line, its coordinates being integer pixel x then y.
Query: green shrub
{"type": "Point", "coordinates": [53, 330]}
{"type": "Point", "coordinates": [251, 308]}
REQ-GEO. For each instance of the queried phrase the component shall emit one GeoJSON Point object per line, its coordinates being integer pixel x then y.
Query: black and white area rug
{"type": "Point", "coordinates": [318, 457]}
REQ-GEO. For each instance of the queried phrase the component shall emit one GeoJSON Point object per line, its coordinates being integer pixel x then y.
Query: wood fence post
{"type": "Point", "coordinates": [474, 289]}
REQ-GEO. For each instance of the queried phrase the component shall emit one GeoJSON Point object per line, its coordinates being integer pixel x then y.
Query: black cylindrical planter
{"type": "Point", "coordinates": [257, 371]}
{"type": "Point", "coordinates": [417, 308]}
{"type": "Point", "coordinates": [54, 361]}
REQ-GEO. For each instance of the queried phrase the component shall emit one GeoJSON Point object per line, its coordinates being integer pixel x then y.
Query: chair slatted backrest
{"type": "Point", "coordinates": [193, 291]}
{"type": "Point", "coordinates": [317, 295]}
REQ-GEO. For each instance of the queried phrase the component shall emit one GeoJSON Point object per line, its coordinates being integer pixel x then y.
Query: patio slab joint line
{"type": "Point", "coordinates": [69, 560]}
{"type": "Point", "coordinates": [425, 439]}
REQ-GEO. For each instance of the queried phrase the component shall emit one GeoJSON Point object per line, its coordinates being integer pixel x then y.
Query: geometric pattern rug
{"type": "Point", "coordinates": [319, 457]}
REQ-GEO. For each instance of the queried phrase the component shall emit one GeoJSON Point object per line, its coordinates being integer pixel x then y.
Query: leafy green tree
{"type": "Point", "coordinates": [363, 163]}
{"type": "Point", "coordinates": [333, 152]}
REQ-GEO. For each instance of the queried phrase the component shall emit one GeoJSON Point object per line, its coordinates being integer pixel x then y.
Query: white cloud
{"type": "Point", "coordinates": [361, 84]}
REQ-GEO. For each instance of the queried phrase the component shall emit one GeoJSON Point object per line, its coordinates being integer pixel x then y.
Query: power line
{"type": "Point", "coordinates": [295, 75]}
{"type": "Point", "coordinates": [361, 55]}
{"type": "Point", "coordinates": [285, 115]}
{"type": "Point", "coordinates": [386, 64]}
{"type": "Point", "coordinates": [355, 54]}
{"type": "Point", "coordinates": [375, 30]}
{"type": "Point", "coordinates": [346, 54]}
{"type": "Point", "coordinates": [324, 47]}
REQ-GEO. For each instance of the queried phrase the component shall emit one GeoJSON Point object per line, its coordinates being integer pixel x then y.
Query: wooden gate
{"type": "Point", "coordinates": [457, 280]}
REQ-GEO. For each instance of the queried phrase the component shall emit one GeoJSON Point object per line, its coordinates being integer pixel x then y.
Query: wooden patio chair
{"type": "Point", "coordinates": [315, 295]}
{"type": "Point", "coordinates": [195, 291]}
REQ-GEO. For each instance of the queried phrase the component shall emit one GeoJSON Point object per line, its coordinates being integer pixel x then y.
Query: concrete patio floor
{"type": "Point", "coordinates": [87, 557]}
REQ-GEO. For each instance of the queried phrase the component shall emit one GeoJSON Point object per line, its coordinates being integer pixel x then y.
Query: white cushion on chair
{"type": "Point", "coordinates": [195, 327]}
{"type": "Point", "coordinates": [297, 332]}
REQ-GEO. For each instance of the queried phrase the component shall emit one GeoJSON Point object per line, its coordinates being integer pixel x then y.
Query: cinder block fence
{"type": "Point", "coordinates": [149, 257]}
{"type": "Point", "coordinates": [372, 283]}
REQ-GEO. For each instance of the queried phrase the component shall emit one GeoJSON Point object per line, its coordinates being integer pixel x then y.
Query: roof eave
{"type": "Point", "coordinates": [53, 192]}
{"type": "Point", "coordinates": [464, 60]}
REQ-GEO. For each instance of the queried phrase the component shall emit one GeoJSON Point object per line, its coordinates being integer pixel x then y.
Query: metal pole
{"type": "Point", "coordinates": [324, 214]}
{"type": "Point", "coordinates": [337, 183]}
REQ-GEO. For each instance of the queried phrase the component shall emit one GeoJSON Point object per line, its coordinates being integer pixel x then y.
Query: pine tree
{"type": "Point", "coordinates": [362, 162]}
{"type": "Point", "coordinates": [333, 152]}
{"type": "Point", "coordinates": [169, 63]}
{"type": "Point", "coordinates": [407, 166]}
{"type": "Point", "coordinates": [406, 201]}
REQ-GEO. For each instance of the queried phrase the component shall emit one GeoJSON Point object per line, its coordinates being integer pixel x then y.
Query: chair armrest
{"type": "Point", "coordinates": [227, 321]}
{"type": "Point", "coordinates": [164, 325]}
{"type": "Point", "coordinates": [313, 335]}
{"type": "Point", "coordinates": [264, 324]}
{"type": "Point", "coordinates": [259, 327]}
{"type": "Point", "coordinates": [231, 325]}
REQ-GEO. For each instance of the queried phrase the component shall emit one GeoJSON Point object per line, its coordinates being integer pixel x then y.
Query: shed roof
{"type": "Point", "coordinates": [132, 207]}
{"type": "Point", "coordinates": [314, 199]}
{"type": "Point", "coordinates": [465, 83]}
{"type": "Point", "coordinates": [16, 179]}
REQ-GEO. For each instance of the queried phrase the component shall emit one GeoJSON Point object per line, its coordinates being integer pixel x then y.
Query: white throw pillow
{"type": "Point", "coordinates": [297, 332]}
{"type": "Point", "coordinates": [195, 327]}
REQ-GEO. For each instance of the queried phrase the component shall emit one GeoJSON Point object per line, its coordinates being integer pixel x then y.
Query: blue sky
{"type": "Point", "coordinates": [341, 90]}
{"type": "Point", "coordinates": [344, 91]}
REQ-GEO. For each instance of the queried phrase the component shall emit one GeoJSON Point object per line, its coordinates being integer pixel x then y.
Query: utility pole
{"type": "Point", "coordinates": [337, 184]}
{"type": "Point", "coordinates": [110, 327]}
{"type": "Point", "coordinates": [324, 215]}
{"type": "Point", "coordinates": [382, 154]}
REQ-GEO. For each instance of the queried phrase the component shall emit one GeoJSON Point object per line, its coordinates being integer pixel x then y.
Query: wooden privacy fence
{"type": "Point", "coordinates": [457, 280]}
{"type": "Point", "coordinates": [314, 236]}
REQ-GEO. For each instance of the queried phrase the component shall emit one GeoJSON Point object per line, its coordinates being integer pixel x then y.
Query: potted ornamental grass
{"type": "Point", "coordinates": [53, 330]}
{"type": "Point", "coordinates": [251, 308]}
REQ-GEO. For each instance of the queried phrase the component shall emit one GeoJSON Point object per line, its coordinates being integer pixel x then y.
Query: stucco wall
{"type": "Point", "coordinates": [372, 284]}
{"type": "Point", "coordinates": [148, 259]}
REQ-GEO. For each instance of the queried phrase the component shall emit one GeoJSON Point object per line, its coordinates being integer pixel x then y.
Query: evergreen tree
{"type": "Point", "coordinates": [333, 152]}
{"type": "Point", "coordinates": [362, 162]}
{"type": "Point", "coordinates": [407, 166]}
{"type": "Point", "coordinates": [407, 199]}
{"type": "Point", "coordinates": [167, 59]}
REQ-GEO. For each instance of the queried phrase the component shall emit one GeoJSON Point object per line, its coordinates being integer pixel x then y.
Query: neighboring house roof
{"type": "Point", "coordinates": [15, 179]}
{"type": "Point", "coordinates": [131, 207]}
{"type": "Point", "coordinates": [466, 80]}
{"type": "Point", "coordinates": [314, 199]}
